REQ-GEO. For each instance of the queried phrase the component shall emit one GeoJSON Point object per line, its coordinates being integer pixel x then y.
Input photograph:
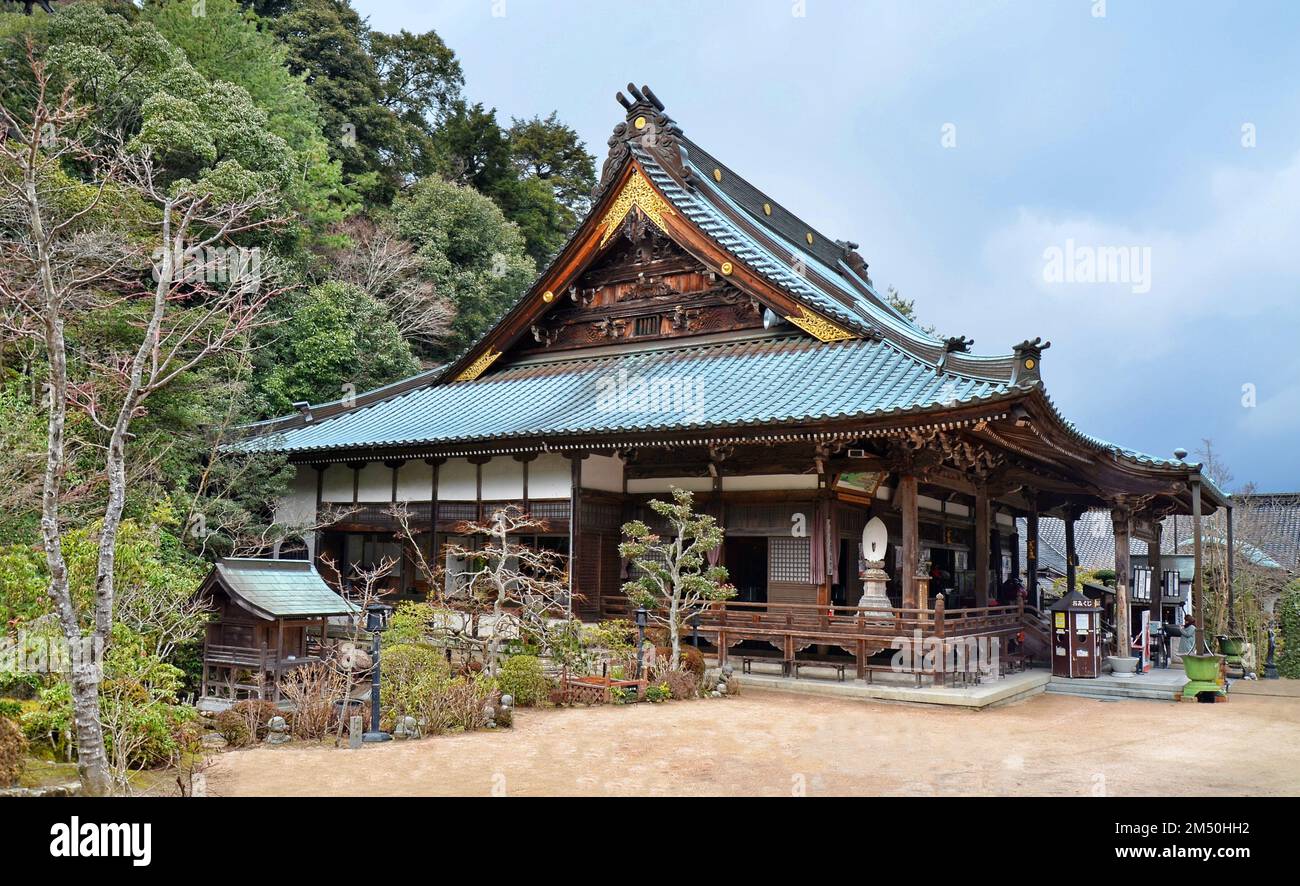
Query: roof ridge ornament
{"type": "Point", "coordinates": [1027, 370]}
{"type": "Point", "coordinates": [647, 122]}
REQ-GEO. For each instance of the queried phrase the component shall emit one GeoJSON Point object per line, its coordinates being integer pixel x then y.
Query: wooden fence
{"type": "Point", "coordinates": [792, 628]}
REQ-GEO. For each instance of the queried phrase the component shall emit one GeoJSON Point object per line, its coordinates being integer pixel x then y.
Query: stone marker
{"type": "Point", "coordinates": [354, 732]}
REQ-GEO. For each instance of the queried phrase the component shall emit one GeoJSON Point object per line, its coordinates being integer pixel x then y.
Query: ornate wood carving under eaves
{"type": "Point", "coordinates": [963, 454]}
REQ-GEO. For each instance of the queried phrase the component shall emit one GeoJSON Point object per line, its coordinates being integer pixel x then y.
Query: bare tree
{"type": "Point", "coordinates": [389, 269]}
{"type": "Point", "coordinates": [506, 590]}
{"type": "Point", "coordinates": [56, 264]}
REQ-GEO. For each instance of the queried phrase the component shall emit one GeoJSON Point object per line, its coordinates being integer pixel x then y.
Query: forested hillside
{"type": "Point", "coordinates": [386, 219]}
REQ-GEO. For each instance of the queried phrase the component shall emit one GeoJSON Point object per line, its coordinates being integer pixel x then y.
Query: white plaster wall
{"type": "Point", "coordinates": [604, 472]}
{"type": "Point", "coordinates": [415, 481]}
{"type": "Point", "coordinates": [549, 476]}
{"type": "Point", "coordinates": [1006, 520]}
{"type": "Point", "coordinates": [457, 480]}
{"type": "Point", "coordinates": [375, 483]}
{"type": "Point", "coordinates": [762, 482]}
{"type": "Point", "coordinates": [503, 478]}
{"type": "Point", "coordinates": [338, 483]}
{"type": "Point", "coordinates": [297, 507]}
{"type": "Point", "coordinates": [694, 484]}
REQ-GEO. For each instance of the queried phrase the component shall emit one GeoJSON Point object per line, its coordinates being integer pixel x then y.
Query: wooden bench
{"type": "Point", "coordinates": [890, 669]}
{"type": "Point", "coordinates": [747, 663]}
{"type": "Point", "coordinates": [839, 666]}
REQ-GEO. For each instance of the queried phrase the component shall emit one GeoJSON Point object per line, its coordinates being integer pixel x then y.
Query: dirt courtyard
{"type": "Point", "coordinates": [777, 744]}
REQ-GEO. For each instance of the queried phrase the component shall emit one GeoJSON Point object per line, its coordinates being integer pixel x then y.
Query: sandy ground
{"type": "Point", "coordinates": [766, 743]}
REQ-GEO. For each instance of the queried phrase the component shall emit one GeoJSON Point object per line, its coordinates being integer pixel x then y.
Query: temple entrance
{"type": "Point", "coordinates": [746, 561]}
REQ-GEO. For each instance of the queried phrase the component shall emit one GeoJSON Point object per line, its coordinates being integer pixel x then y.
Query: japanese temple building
{"type": "Point", "coordinates": [695, 333]}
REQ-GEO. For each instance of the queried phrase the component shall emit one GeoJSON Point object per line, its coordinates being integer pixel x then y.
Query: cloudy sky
{"type": "Point", "coordinates": [965, 146]}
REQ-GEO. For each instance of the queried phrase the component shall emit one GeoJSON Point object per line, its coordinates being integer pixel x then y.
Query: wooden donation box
{"type": "Point", "coordinates": [1076, 636]}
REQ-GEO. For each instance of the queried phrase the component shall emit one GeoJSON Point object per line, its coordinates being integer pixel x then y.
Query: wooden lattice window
{"type": "Point", "coordinates": [788, 560]}
{"type": "Point", "coordinates": [647, 325]}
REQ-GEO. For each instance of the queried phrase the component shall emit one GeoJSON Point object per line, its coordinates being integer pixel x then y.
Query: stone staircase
{"type": "Point", "coordinates": [1155, 685]}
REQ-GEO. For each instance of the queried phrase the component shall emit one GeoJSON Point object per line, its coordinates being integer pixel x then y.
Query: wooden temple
{"type": "Point", "coordinates": [695, 333]}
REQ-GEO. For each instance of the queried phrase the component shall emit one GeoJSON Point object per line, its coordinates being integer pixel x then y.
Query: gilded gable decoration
{"type": "Point", "coordinates": [479, 366]}
{"type": "Point", "coordinates": [819, 326]}
{"type": "Point", "coordinates": [638, 193]}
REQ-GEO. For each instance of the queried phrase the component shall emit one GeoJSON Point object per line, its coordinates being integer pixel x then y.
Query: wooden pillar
{"type": "Point", "coordinates": [1157, 571]}
{"type": "Point", "coordinates": [938, 633]}
{"type": "Point", "coordinates": [1232, 615]}
{"type": "Point", "coordinates": [1015, 554]}
{"type": "Point", "coordinates": [1122, 522]}
{"type": "Point", "coordinates": [1198, 582]}
{"type": "Point", "coordinates": [981, 546]}
{"type": "Point", "coordinates": [911, 539]}
{"type": "Point", "coordinates": [279, 658]}
{"type": "Point", "coordinates": [1031, 557]}
{"type": "Point", "coordinates": [575, 508]}
{"type": "Point", "coordinates": [1071, 555]}
{"type": "Point", "coordinates": [996, 547]}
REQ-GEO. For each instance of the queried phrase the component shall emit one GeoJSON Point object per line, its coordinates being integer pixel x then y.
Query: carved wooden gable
{"type": "Point", "coordinates": [644, 288]}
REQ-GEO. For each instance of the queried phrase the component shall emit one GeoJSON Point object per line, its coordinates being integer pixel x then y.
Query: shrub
{"type": "Point", "coordinates": [257, 714]}
{"type": "Point", "coordinates": [657, 692]}
{"type": "Point", "coordinates": [20, 684]}
{"type": "Point", "coordinates": [458, 704]}
{"type": "Point", "coordinates": [233, 728]}
{"type": "Point", "coordinates": [410, 674]}
{"type": "Point", "coordinates": [10, 709]}
{"type": "Point", "coordinates": [1288, 614]}
{"type": "Point", "coordinates": [522, 677]}
{"type": "Point", "coordinates": [410, 622]}
{"type": "Point", "coordinates": [682, 684]}
{"type": "Point", "coordinates": [691, 658]}
{"type": "Point", "coordinates": [312, 690]}
{"type": "Point", "coordinates": [245, 722]}
{"type": "Point", "coordinates": [13, 750]}
{"type": "Point", "coordinates": [50, 722]}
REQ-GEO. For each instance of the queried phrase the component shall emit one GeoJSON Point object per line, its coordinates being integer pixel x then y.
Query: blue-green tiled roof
{"type": "Point", "coordinates": [280, 588]}
{"type": "Point", "coordinates": [753, 382]}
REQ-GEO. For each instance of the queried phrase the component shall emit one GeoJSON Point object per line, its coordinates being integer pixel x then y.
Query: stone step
{"type": "Point", "coordinates": [1111, 689]}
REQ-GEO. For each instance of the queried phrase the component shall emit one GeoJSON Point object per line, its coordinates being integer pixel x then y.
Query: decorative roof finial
{"type": "Point", "coordinates": [647, 124]}
{"type": "Point", "coordinates": [1029, 354]}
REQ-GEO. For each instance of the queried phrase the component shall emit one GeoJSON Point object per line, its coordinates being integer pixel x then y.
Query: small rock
{"type": "Point", "coordinates": [722, 688]}
{"type": "Point", "coordinates": [715, 694]}
{"type": "Point", "coordinates": [213, 741]}
{"type": "Point", "coordinates": [507, 701]}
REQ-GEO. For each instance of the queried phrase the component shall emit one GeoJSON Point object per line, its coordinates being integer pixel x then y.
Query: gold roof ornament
{"type": "Point", "coordinates": [479, 366]}
{"type": "Point", "coordinates": [639, 193]}
{"type": "Point", "coordinates": [727, 268]}
{"type": "Point", "coordinates": [819, 326]}
{"type": "Point", "coordinates": [548, 296]}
